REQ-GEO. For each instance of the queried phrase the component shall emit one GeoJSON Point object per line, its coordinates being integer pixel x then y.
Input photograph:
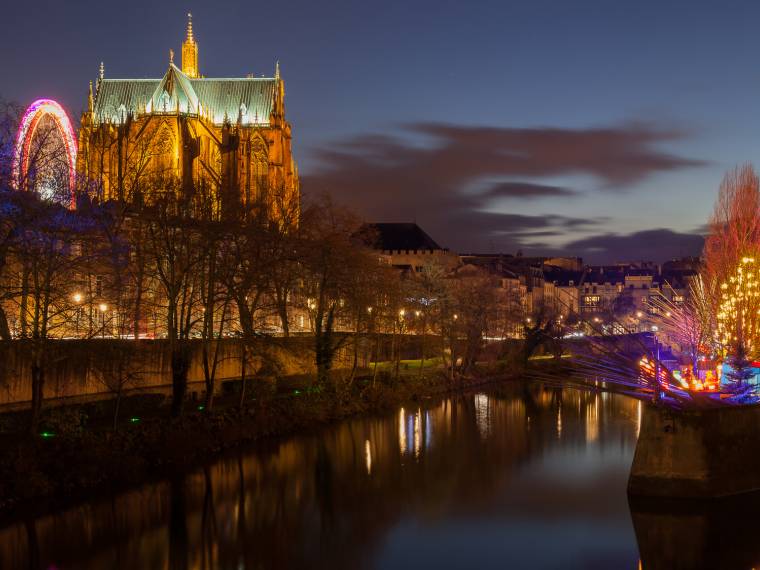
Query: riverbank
{"type": "Point", "coordinates": [45, 472]}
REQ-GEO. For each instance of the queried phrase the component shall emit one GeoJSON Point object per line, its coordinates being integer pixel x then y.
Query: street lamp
{"type": "Point", "coordinates": [77, 297]}
{"type": "Point", "coordinates": [102, 307]}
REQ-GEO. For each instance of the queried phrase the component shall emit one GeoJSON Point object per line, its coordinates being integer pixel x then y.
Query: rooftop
{"type": "Point", "coordinates": [249, 98]}
{"type": "Point", "coordinates": [397, 236]}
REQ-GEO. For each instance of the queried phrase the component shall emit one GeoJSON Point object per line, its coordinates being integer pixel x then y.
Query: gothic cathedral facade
{"type": "Point", "coordinates": [221, 137]}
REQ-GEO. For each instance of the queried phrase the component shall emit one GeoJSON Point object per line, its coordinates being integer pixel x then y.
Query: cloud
{"type": "Point", "coordinates": [526, 191]}
{"type": "Point", "coordinates": [655, 245]}
{"type": "Point", "coordinates": [453, 179]}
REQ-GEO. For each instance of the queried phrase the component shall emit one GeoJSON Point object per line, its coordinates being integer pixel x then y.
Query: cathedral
{"type": "Point", "coordinates": [221, 137]}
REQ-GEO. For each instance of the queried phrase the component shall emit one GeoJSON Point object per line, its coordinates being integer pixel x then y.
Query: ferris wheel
{"type": "Point", "coordinates": [59, 145]}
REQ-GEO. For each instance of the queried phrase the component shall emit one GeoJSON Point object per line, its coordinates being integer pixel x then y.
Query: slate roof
{"type": "Point", "coordinates": [253, 97]}
{"type": "Point", "coordinates": [563, 277]}
{"type": "Point", "coordinates": [397, 236]}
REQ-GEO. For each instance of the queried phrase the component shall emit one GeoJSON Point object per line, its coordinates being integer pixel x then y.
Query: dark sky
{"type": "Point", "coordinates": [597, 128]}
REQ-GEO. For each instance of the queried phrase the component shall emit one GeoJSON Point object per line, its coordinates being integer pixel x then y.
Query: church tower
{"type": "Point", "coordinates": [222, 139]}
{"type": "Point", "coordinates": [190, 52]}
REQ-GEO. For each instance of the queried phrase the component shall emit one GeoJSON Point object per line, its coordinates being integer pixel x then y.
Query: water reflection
{"type": "Point", "coordinates": [519, 477]}
{"type": "Point", "coordinates": [698, 535]}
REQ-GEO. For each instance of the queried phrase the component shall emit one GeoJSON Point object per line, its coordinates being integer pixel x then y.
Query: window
{"type": "Point", "coordinates": [591, 300]}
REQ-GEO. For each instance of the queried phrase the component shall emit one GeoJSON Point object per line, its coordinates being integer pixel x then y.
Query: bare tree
{"type": "Point", "coordinates": [474, 293]}
{"type": "Point", "coordinates": [48, 251]}
{"type": "Point", "coordinates": [175, 255]}
{"type": "Point", "coordinates": [331, 261]}
{"type": "Point", "coordinates": [118, 368]}
{"type": "Point", "coordinates": [690, 323]}
{"type": "Point", "coordinates": [734, 225]}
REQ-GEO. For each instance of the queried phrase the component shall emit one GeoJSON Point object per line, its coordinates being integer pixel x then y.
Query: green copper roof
{"type": "Point", "coordinates": [174, 92]}
{"type": "Point", "coordinates": [251, 99]}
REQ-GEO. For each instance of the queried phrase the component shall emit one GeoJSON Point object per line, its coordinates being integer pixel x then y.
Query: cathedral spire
{"type": "Point", "coordinates": [90, 100]}
{"type": "Point", "coordinates": [190, 51]}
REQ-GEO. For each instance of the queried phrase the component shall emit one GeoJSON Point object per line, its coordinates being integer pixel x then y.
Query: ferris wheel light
{"type": "Point", "coordinates": [25, 134]}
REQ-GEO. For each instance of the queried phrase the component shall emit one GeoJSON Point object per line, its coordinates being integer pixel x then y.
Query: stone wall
{"type": "Point", "coordinates": [74, 368]}
{"type": "Point", "coordinates": [697, 453]}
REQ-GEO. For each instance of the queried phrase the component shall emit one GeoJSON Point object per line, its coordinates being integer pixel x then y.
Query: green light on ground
{"type": "Point", "coordinates": [296, 392]}
{"type": "Point", "coordinates": [47, 434]}
{"type": "Point", "coordinates": [201, 408]}
{"type": "Point", "coordinates": [134, 420]}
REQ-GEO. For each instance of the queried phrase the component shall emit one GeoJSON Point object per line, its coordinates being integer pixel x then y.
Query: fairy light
{"type": "Point", "coordinates": [738, 315]}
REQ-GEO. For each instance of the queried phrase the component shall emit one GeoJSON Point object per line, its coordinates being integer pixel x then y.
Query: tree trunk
{"type": "Point", "coordinates": [180, 369]}
{"type": "Point", "coordinates": [117, 405]}
{"type": "Point", "coordinates": [377, 357]}
{"type": "Point", "coordinates": [5, 331]}
{"type": "Point", "coordinates": [283, 311]}
{"type": "Point", "coordinates": [38, 383]}
{"type": "Point", "coordinates": [243, 362]}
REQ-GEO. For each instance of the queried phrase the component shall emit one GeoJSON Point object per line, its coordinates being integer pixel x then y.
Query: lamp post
{"type": "Point", "coordinates": [103, 308]}
{"type": "Point", "coordinates": [77, 297]}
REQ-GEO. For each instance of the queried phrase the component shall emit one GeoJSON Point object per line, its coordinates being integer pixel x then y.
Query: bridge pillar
{"type": "Point", "coordinates": [697, 453]}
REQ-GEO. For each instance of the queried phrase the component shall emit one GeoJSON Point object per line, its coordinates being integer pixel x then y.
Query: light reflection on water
{"type": "Point", "coordinates": [475, 481]}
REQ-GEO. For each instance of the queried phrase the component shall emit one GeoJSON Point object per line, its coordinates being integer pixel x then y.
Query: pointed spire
{"type": "Point", "coordinates": [277, 70]}
{"type": "Point", "coordinates": [190, 51]}
{"type": "Point", "coordinates": [189, 27]}
{"type": "Point", "coordinates": [171, 57]}
{"type": "Point", "coordinates": [102, 71]}
{"type": "Point", "coordinates": [90, 100]}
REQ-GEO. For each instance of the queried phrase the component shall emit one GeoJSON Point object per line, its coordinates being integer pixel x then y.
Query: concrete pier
{"type": "Point", "coordinates": [706, 453]}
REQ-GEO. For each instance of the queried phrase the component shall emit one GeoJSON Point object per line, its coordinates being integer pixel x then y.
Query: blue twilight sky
{"type": "Point", "coordinates": [596, 128]}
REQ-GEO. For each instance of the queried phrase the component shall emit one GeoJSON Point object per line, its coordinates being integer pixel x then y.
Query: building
{"type": "Point", "coordinates": [226, 138]}
{"type": "Point", "coordinates": [406, 246]}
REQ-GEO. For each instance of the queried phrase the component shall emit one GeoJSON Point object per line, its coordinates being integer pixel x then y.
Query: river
{"type": "Point", "coordinates": [505, 478]}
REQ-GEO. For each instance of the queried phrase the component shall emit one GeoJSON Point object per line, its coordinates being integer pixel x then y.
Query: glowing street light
{"type": "Point", "coordinates": [77, 297]}
{"type": "Point", "coordinates": [102, 307]}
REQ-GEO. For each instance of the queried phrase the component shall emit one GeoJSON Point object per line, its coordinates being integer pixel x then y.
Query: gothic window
{"type": "Point", "coordinates": [164, 150]}
{"type": "Point", "coordinates": [259, 168]}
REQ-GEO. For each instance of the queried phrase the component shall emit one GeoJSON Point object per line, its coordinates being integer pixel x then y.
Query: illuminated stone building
{"type": "Point", "coordinates": [226, 138]}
